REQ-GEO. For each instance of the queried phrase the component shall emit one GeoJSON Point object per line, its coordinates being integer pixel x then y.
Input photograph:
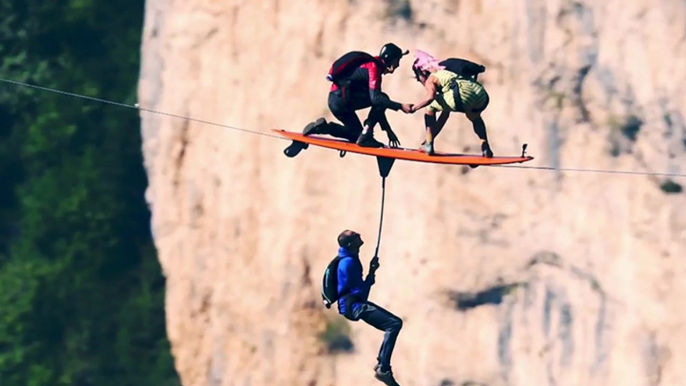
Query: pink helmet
{"type": "Point", "coordinates": [425, 61]}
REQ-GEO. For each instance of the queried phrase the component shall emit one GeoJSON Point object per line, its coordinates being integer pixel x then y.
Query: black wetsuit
{"type": "Point", "coordinates": [361, 89]}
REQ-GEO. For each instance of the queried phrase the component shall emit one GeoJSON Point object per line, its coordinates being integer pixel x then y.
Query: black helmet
{"type": "Point", "coordinates": [390, 52]}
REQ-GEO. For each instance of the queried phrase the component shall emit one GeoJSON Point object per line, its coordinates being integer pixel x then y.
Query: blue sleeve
{"type": "Point", "coordinates": [350, 276]}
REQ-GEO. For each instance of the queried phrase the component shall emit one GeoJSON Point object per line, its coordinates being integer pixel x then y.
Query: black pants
{"type": "Point", "coordinates": [344, 103]}
{"type": "Point", "coordinates": [382, 320]}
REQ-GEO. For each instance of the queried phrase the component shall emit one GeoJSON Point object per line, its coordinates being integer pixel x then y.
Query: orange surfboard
{"type": "Point", "coordinates": [403, 153]}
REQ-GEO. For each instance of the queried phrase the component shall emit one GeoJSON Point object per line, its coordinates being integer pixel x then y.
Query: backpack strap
{"type": "Point", "coordinates": [341, 67]}
{"type": "Point", "coordinates": [459, 106]}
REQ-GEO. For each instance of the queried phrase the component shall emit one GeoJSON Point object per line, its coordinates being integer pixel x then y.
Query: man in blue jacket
{"type": "Point", "coordinates": [353, 303]}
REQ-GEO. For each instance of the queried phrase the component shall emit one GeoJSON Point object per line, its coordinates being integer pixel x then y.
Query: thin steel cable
{"type": "Point", "coordinates": [550, 168]}
{"type": "Point", "coordinates": [136, 107]}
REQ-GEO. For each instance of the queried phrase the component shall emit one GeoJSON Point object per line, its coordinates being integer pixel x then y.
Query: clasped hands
{"type": "Point", "coordinates": [409, 108]}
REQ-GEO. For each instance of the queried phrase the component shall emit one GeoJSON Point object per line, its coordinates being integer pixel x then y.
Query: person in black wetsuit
{"type": "Point", "coordinates": [356, 87]}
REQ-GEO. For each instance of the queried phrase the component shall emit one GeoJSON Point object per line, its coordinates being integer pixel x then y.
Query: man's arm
{"type": "Point", "coordinates": [430, 87]}
{"type": "Point", "coordinates": [378, 98]}
{"type": "Point", "coordinates": [371, 276]}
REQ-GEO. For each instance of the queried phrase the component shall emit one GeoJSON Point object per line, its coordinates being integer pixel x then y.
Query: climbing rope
{"type": "Point", "coordinates": [383, 197]}
{"type": "Point", "coordinates": [385, 165]}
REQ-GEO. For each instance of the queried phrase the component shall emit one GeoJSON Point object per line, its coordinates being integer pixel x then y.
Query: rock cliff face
{"type": "Point", "coordinates": [502, 276]}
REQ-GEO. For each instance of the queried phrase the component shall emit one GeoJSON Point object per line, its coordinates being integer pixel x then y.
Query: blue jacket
{"type": "Point", "coordinates": [350, 278]}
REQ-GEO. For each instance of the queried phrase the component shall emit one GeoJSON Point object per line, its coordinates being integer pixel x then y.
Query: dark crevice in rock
{"type": "Point", "coordinates": [557, 319]}
{"type": "Point", "coordinates": [306, 281]}
{"type": "Point", "coordinates": [601, 344]}
{"type": "Point", "coordinates": [632, 127]}
{"type": "Point", "coordinates": [505, 340]}
{"type": "Point", "coordinates": [494, 295]}
{"type": "Point", "coordinates": [578, 90]}
{"type": "Point", "coordinates": [623, 134]}
{"type": "Point", "coordinates": [565, 335]}
{"type": "Point", "coordinates": [180, 158]}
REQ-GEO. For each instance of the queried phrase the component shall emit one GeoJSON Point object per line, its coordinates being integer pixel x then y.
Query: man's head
{"type": "Point", "coordinates": [391, 54]}
{"type": "Point", "coordinates": [350, 240]}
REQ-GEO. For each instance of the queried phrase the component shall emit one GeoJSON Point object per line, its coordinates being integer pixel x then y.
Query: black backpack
{"type": "Point", "coordinates": [343, 66]}
{"type": "Point", "coordinates": [330, 283]}
{"type": "Point", "coordinates": [463, 67]}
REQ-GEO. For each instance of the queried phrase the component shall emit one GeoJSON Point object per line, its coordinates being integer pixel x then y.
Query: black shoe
{"type": "Point", "coordinates": [367, 140]}
{"type": "Point", "coordinates": [486, 150]}
{"type": "Point", "coordinates": [317, 127]}
{"type": "Point", "coordinates": [294, 149]}
{"type": "Point", "coordinates": [385, 377]}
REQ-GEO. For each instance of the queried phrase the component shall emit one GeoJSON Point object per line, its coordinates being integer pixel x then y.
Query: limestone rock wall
{"type": "Point", "coordinates": [502, 276]}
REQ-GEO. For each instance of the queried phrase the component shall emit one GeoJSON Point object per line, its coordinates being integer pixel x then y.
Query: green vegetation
{"type": "Point", "coordinates": [337, 336]}
{"type": "Point", "coordinates": [671, 187]}
{"type": "Point", "coordinates": [81, 290]}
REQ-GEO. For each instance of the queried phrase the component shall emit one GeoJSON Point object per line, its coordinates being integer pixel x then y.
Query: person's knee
{"type": "Point", "coordinates": [474, 116]}
{"type": "Point", "coordinates": [334, 102]}
{"type": "Point", "coordinates": [397, 324]}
